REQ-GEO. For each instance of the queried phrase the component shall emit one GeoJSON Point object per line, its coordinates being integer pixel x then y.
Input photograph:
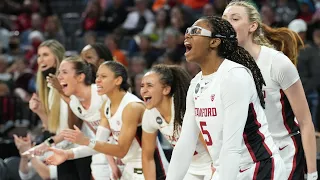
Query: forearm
{"type": "Point", "coordinates": [41, 168]}
{"type": "Point", "coordinates": [149, 168]}
{"type": "Point", "coordinates": [115, 150]}
{"type": "Point", "coordinates": [57, 138]}
{"type": "Point", "coordinates": [23, 166]}
{"type": "Point", "coordinates": [111, 161]}
{"type": "Point", "coordinates": [80, 152]}
{"type": "Point", "coordinates": [309, 145]}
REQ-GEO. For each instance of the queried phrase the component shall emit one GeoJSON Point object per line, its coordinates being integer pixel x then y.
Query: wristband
{"type": "Point", "coordinates": [312, 176]}
{"type": "Point", "coordinates": [92, 143]}
{"type": "Point", "coordinates": [49, 142]}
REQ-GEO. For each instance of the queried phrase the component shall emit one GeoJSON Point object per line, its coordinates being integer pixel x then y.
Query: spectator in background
{"type": "Point", "coordinates": [53, 29]}
{"type": "Point", "coordinates": [173, 42]}
{"type": "Point", "coordinates": [90, 37]}
{"type": "Point", "coordinates": [114, 16]}
{"type": "Point", "coordinates": [112, 44]}
{"type": "Point", "coordinates": [179, 20]}
{"type": "Point", "coordinates": [172, 58]}
{"type": "Point", "coordinates": [92, 16]}
{"type": "Point", "coordinates": [36, 25]}
{"type": "Point", "coordinates": [286, 11]}
{"type": "Point", "coordinates": [14, 47]}
{"type": "Point", "coordinates": [156, 30]}
{"type": "Point", "coordinates": [146, 50]}
{"type": "Point", "coordinates": [268, 16]}
{"type": "Point", "coordinates": [137, 19]}
{"type": "Point", "coordinates": [308, 67]}
{"type": "Point", "coordinates": [35, 38]}
{"type": "Point", "coordinates": [137, 85]}
{"type": "Point", "coordinates": [208, 10]}
{"type": "Point", "coordinates": [5, 78]}
{"type": "Point", "coordinates": [137, 66]}
{"type": "Point", "coordinates": [96, 54]}
{"type": "Point", "coordinates": [305, 12]}
{"type": "Point", "coordinates": [4, 38]}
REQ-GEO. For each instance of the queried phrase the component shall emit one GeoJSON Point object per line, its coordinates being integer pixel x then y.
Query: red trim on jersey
{"type": "Point", "coordinates": [294, 161]}
{"type": "Point", "coordinates": [259, 125]}
{"type": "Point", "coordinates": [249, 147]}
{"type": "Point", "coordinates": [256, 170]}
{"type": "Point", "coordinates": [284, 118]}
{"type": "Point", "coordinates": [272, 168]}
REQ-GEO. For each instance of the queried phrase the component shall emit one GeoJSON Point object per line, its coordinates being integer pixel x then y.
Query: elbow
{"type": "Point", "coordinates": [122, 153]}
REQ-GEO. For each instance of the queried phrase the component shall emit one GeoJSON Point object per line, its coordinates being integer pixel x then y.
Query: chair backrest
{"type": "Point", "coordinates": [3, 170]}
{"type": "Point", "coordinates": [12, 164]}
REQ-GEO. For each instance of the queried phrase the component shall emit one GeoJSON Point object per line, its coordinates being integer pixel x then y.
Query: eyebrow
{"type": "Point", "coordinates": [232, 14]}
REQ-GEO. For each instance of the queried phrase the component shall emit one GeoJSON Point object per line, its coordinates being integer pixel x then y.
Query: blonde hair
{"type": "Point", "coordinates": [53, 121]}
{"type": "Point", "coordinates": [282, 39]}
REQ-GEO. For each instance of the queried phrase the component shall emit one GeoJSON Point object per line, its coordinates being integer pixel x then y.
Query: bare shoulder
{"type": "Point", "coordinates": [135, 107]}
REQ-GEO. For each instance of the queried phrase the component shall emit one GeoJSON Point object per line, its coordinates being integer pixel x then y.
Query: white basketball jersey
{"type": "Point", "coordinates": [209, 110]}
{"type": "Point", "coordinates": [91, 115]}
{"type": "Point", "coordinates": [115, 122]}
{"type": "Point", "coordinates": [279, 74]}
{"type": "Point", "coordinates": [153, 121]}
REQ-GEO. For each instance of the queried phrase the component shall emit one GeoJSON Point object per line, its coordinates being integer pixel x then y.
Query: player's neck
{"type": "Point", "coordinates": [116, 97]}
{"type": "Point", "coordinates": [210, 64]}
{"type": "Point", "coordinates": [253, 49]}
{"type": "Point", "coordinates": [165, 109]}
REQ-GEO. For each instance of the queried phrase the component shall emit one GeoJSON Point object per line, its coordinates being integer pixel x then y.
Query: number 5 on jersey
{"type": "Point", "coordinates": [205, 132]}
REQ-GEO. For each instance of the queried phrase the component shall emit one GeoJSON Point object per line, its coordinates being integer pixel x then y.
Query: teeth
{"type": "Point", "coordinates": [187, 43]}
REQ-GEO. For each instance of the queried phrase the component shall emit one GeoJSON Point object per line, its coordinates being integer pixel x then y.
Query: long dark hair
{"type": "Point", "coordinates": [179, 80]}
{"type": "Point", "coordinates": [230, 50]}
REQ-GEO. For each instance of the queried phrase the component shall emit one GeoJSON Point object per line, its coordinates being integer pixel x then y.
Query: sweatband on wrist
{"type": "Point", "coordinates": [102, 134]}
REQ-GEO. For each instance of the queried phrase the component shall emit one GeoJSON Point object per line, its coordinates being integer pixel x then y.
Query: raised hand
{"type": "Point", "coordinates": [76, 136]}
{"type": "Point", "coordinates": [35, 104]}
{"type": "Point", "coordinates": [53, 80]}
{"type": "Point", "coordinates": [23, 144]}
{"type": "Point", "coordinates": [59, 156]}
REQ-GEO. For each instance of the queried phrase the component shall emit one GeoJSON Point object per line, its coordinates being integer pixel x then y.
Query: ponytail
{"type": "Point", "coordinates": [241, 56]}
{"type": "Point", "coordinates": [283, 39]}
{"type": "Point", "coordinates": [179, 80]}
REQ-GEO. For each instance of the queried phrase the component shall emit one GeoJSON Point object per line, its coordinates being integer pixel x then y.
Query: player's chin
{"type": "Point", "coordinates": [149, 105]}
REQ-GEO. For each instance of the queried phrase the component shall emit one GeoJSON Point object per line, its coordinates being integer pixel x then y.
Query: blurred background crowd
{"type": "Point", "coordinates": [139, 34]}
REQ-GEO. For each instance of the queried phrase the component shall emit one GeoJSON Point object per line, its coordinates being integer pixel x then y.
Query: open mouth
{"type": "Point", "coordinates": [64, 86]}
{"type": "Point", "coordinates": [44, 66]}
{"type": "Point", "coordinates": [147, 99]}
{"type": "Point", "coordinates": [99, 88]}
{"type": "Point", "coordinates": [188, 47]}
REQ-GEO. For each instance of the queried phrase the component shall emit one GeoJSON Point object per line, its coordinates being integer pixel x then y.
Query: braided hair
{"type": "Point", "coordinates": [179, 80]}
{"type": "Point", "coordinates": [230, 50]}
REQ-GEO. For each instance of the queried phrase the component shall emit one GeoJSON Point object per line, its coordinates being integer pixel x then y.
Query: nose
{"type": "Point", "coordinates": [59, 77]}
{"type": "Point", "coordinates": [40, 60]}
{"type": "Point", "coordinates": [187, 35]}
{"type": "Point", "coordinates": [97, 80]}
{"type": "Point", "coordinates": [143, 90]}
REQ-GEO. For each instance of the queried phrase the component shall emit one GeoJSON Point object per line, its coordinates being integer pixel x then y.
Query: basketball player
{"type": "Point", "coordinates": [76, 78]}
{"type": "Point", "coordinates": [164, 90]}
{"type": "Point", "coordinates": [224, 103]}
{"type": "Point", "coordinates": [121, 116]}
{"type": "Point", "coordinates": [284, 95]}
